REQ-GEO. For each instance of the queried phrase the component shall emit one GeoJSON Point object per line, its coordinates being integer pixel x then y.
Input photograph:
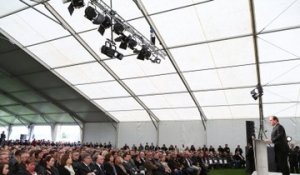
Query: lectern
{"type": "Point", "coordinates": [260, 156]}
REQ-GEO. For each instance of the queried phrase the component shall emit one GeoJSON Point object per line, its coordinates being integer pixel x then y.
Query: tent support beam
{"type": "Point", "coordinates": [140, 5]}
{"type": "Point", "coordinates": [254, 35]}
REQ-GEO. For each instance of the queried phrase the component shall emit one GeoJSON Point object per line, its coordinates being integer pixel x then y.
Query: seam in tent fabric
{"type": "Point", "coordinates": [212, 57]}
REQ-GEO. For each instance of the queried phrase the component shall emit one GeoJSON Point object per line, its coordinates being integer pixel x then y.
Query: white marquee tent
{"type": "Point", "coordinates": [199, 93]}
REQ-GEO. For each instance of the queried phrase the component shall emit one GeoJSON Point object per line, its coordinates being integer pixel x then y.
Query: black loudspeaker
{"type": "Point", "coordinates": [250, 131]}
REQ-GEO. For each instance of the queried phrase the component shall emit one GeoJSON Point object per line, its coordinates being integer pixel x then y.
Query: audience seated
{"type": "Point", "coordinates": [58, 158]}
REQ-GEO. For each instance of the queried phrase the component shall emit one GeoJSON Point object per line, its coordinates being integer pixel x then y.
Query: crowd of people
{"type": "Point", "coordinates": [57, 158]}
{"type": "Point", "coordinates": [40, 157]}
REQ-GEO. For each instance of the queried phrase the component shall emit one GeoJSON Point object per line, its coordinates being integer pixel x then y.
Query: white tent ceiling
{"type": "Point", "coordinates": [211, 42]}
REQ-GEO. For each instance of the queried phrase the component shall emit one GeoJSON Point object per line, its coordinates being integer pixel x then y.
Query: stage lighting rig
{"type": "Point", "coordinates": [122, 27]}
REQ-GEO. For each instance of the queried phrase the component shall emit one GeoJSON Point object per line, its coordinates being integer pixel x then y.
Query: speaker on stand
{"type": "Point", "coordinates": [250, 132]}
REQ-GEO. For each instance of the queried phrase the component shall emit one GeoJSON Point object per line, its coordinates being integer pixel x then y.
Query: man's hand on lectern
{"type": "Point", "coordinates": [268, 141]}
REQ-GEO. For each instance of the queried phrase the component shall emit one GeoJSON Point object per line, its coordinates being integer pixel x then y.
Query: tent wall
{"type": "Point", "coordinates": [99, 132]}
{"type": "Point", "coordinates": [136, 133]}
{"type": "Point", "coordinates": [219, 132]}
{"type": "Point", "coordinates": [182, 132]}
{"type": "Point", "coordinates": [231, 132]}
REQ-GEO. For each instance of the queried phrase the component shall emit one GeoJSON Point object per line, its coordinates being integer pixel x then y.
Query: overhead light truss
{"type": "Point", "coordinates": [134, 37]}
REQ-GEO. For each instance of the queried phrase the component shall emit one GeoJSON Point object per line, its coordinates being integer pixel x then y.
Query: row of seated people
{"type": "Point", "coordinates": [48, 160]}
{"type": "Point", "coordinates": [44, 142]}
{"type": "Point", "coordinates": [108, 145]}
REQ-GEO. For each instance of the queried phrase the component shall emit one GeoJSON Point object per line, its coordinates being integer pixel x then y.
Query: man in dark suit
{"type": "Point", "coordinates": [86, 167]}
{"type": "Point", "coordinates": [98, 165]}
{"type": "Point", "coordinates": [281, 147]}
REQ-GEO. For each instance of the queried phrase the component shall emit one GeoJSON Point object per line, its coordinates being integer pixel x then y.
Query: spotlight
{"type": "Point", "coordinates": [104, 25]}
{"type": "Point", "coordinates": [77, 3]}
{"type": "Point", "coordinates": [257, 92]}
{"type": "Point", "coordinates": [118, 27]}
{"type": "Point", "coordinates": [98, 18]}
{"type": "Point", "coordinates": [74, 4]}
{"type": "Point", "coordinates": [131, 43]}
{"type": "Point", "coordinates": [144, 53]}
{"type": "Point", "coordinates": [90, 13]}
{"type": "Point", "coordinates": [109, 49]}
{"type": "Point", "coordinates": [126, 41]}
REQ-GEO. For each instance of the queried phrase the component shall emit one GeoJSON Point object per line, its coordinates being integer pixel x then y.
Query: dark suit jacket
{"type": "Point", "coordinates": [63, 171]}
{"type": "Point", "coordinates": [84, 170]}
{"type": "Point", "coordinates": [108, 168]}
{"type": "Point", "coordinates": [98, 170]}
{"type": "Point", "coordinates": [278, 137]}
{"type": "Point", "coordinates": [120, 171]}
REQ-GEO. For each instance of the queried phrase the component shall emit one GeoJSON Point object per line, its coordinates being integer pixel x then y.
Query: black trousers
{"type": "Point", "coordinates": [281, 160]}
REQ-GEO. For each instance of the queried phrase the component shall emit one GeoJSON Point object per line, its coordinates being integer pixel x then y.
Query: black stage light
{"type": "Point", "coordinates": [131, 43]}
{"type": "Point", "coordinates": [123, 45]}
{"type": "Point", "coordinates": [126, 41]}
{"type": "Point", "coordinates": [78, 3]}
{"type": "Point", "coordinates": [110, 50]}
{"type": "Point", "coordinates": [90, 13]}
{"type": "Point", "coordinates": [74, 4]}
{"type": "Point", "coordinates": [118, 27]}
{"type": "Point", "coordinates": [144, 53]}
{"type": "Point", "coordinates": [257, 92]}
{"type": "Point", "coordinates": [104, 25]}
{"type": "Point", "coordinates": [97, 18]}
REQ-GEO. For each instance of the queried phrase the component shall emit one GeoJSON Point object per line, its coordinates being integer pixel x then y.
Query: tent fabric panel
{"type": "Point", "coordinates": [103, 90]}
{"type": "Point", "coordinates": [62, 52]}
{"type": "Point", "coordinates": [282, 110]}
{"type": "Point", "coordinates": [119, 104]}
{"type": "Point", "coordinates": [85, 73]}
{"type": "Point", "coordinates": [284, 93]}
{"type": "Point", "coordinates": [19, 110]}
{"type": "Point", "coordinates": [28, 97]}
{"type": "Point", "coordinates": [217, 54]}
{"type": "Point", "coordinates": [274, 17]}
{"type": "Point", "coordinates": [282, 72]}
{"type": "Point", "coordinates": [11, 6]}
{"type": "Point", "coordinates": [168, 101]}
{"type": "Point", "coordinates": [279, 45]}
{"type": "Point", "coordinates": [25, 29]}
{"type": "Point", "coordinates": [159, 84]}
{"type": "Point", "coordinates": [137, 68]}
{"type": "Point", "coordinates": [177, 114]}
{"type": "Point", "coordinates": [126, 116]}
